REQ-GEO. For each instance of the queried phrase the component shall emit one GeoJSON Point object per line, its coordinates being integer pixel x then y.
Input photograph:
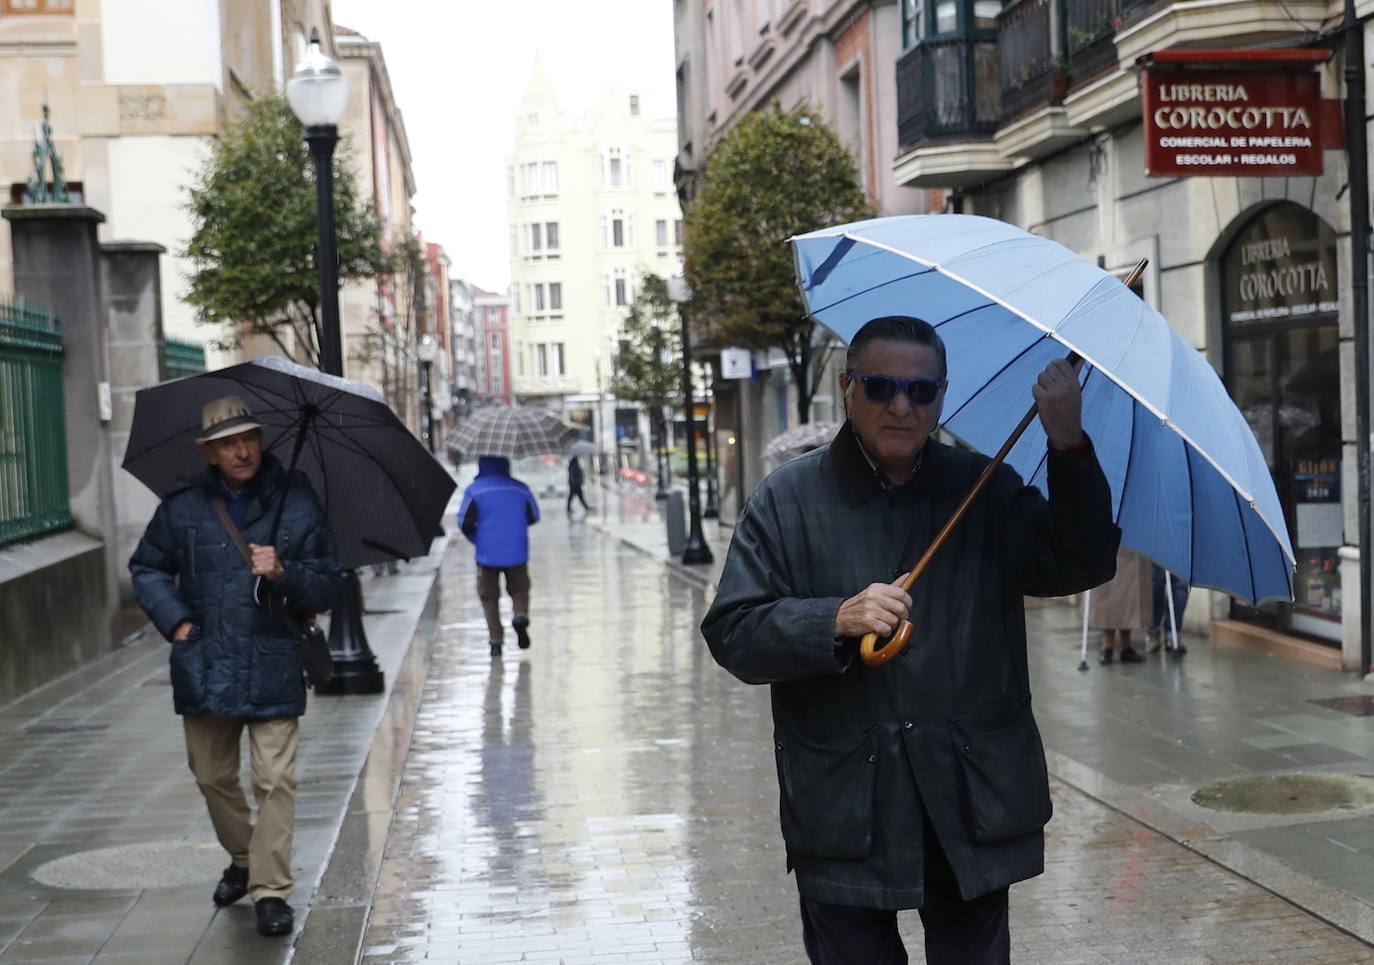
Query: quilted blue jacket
{"type": "Point", "coordinates": [238, 661]}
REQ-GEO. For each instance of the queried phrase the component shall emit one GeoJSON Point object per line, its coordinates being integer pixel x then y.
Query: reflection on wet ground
{"type": "Point", "coordinates": [609, 796]}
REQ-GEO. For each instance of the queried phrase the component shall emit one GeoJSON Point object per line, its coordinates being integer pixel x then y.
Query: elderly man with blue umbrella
{"type": "Point", "coordinates": [915, 777]}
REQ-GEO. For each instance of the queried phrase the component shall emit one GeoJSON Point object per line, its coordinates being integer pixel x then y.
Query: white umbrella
{"type": "Point", "coordinates": [800, 439]}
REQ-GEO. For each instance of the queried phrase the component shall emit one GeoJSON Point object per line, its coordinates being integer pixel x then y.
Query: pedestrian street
{"type": "Point", "coordinates": [609, 795]}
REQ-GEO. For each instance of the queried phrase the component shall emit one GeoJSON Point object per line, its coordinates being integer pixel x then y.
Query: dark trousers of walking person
{"type": "Point", "coordinates": [489, 592]}
{"type": "Point", "coordinates": [957, 932]}
{"type": "Point", "coordinates": [576, 491]}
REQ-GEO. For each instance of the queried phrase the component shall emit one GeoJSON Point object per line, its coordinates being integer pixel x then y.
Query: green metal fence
{"type": "Point", "coordinates": [33, 426]}
{"type": "Point", "coordinates": [182, 359]}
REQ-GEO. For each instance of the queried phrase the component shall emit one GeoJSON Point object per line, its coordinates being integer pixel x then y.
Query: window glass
{"type": "Point", "coordinates": [985, 14]}
{"type": "Point", "coordinates": [551, 235]}
{"type": "Point", "coordinates": [946, 16]}
{"type": "Point", "coordinates": [555, 296]}
{"type": "Point", "coordinates": [912, 11]}
{"type": "Point", "coordinates": [661, 233]}
{"type": "Point", "coordinates": [550, 177]}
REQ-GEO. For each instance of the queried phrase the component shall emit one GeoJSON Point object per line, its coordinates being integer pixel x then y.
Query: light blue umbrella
{"type": "Point", "coordinates": [1190, 487]}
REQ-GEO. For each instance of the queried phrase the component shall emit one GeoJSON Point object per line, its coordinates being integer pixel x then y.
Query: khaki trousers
{"type": "Point", "coordinates": [212, 750]}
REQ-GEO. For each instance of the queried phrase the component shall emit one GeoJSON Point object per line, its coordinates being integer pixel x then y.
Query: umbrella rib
{"type": "Point", "coordinates": [350, 444]}
{"type": "Point", "coordinates": [870, 290]}
{"type": "Point", "coordinates": [1245, 538]}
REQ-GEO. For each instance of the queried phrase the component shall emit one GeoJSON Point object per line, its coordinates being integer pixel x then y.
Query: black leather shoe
{"type": "Point", "coordinates": [1129, 655]}
{"type": "Point", "coordinates": [274, 916]}
{"type": "Point", "coordinates": [1104, 656]}
{"type": "Point", "coordinates": [521, 626]}
{"type": "Point", "coordinates": [233, 885]}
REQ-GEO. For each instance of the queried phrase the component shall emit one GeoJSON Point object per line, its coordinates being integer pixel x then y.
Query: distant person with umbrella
{"type": "Point", "coordinates": [233, 665]}
{"type": "Point", "coordinates": [495, 515]}
{"type": "Point", "coordinates": [575, 485]}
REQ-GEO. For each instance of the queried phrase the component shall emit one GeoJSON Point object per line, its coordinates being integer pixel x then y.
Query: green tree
{"type": "Point", "coordinates": [774, 175]}
{"type": "Point", "coordinates": [252, 247]}
{"type": "Point", "coordinates": [649, 370]}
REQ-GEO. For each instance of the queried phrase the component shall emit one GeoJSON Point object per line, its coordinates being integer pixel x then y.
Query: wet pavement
{"type": "Point", "coordinates": [609, 796]}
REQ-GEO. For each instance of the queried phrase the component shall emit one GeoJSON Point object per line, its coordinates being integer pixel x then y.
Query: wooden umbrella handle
{"type": "Point", "coordinates": [869, 651]}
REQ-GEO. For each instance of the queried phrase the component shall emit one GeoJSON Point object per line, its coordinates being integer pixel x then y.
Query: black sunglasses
{"type": "Point", "coordinates": [881, 388]}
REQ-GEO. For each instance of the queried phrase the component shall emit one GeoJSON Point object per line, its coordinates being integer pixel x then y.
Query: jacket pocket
{"type": "Point", "coordinates": [187, 662]}
{"type": "Point", "coordinates": [1006, 787]}
{"type": "Point", "coordinates": [276, 677]}
{"type": "Point", "coordinates": [827, 793]}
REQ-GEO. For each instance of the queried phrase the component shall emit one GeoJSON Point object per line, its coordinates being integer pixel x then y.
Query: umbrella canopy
{"type": "Point", "coordinates": [581, 448]}
{"type": "Point", "coordinates": [384, 492]}
{"type": "Point", "coordinates": [1190, 486]}
{"type": "Point", "coordinates": [800, 439]}
{"type": "Point", "coordinates": [512, 431]}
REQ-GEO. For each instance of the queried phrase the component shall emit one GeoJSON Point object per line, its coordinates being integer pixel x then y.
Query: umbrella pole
{"type": "Point", "coordinates": [876, 656]}
{"type": "Point", "coordinates": [1173, 618]}
{"type": "Point", "coordinates": [1083, 657]}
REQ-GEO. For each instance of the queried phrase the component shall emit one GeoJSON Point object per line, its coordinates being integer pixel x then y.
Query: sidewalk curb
{"type": "Point", "coordinates": [1318, 899]}
{"type": "Point", "coordinates": [335, 922]}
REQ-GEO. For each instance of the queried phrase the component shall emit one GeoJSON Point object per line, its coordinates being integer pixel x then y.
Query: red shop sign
{"type": "Point", "coordinates": [1231, 122]}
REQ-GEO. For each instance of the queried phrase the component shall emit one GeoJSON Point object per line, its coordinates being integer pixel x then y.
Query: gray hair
{"type": "Point", "coordinates": [895, 328]}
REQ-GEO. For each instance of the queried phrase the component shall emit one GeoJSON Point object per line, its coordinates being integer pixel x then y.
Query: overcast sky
{"type": "Point", "coordinates": [458, 69]}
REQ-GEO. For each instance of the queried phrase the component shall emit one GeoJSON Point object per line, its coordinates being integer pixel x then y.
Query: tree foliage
{"type": "Point", "coordinates": [252, 248]}
{"type": "Point", "coordinates": [774, 175]}
{"type": "Point", "coordinates": [649, 367]}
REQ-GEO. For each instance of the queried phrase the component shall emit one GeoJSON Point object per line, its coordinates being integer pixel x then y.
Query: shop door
{"type": "Point", "coordinates": [1282, 368]}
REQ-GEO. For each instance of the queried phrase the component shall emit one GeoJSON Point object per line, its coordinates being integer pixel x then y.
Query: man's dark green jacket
{"type": "Point", "coordinates": [943, 729]}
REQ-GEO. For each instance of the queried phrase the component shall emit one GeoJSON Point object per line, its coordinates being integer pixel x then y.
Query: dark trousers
{"type": "Point", "coordinates": [576, 492]}
{"type": "Point", "coordinates": [957, 932]}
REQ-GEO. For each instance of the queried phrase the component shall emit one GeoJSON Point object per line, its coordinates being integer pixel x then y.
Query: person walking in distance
{"type": "Point", "coordinates": [495, 515]}
{"type": "Point", "coordinates": [235, 667]}
{"type": "Point", "coordinates": [575, 485]}
{"type": "Point", "coordinates": [920, 783]}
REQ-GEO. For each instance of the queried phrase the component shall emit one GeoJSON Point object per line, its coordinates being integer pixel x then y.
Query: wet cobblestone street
{"type": "Point", "coordinates": [609, 796]}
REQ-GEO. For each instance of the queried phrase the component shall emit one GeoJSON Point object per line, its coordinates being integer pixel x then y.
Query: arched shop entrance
{"type": "Point", "coordinates": [1282, 366]}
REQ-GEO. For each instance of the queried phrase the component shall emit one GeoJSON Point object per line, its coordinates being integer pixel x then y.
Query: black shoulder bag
{"type": "Point", "coordinates": [311, 643]}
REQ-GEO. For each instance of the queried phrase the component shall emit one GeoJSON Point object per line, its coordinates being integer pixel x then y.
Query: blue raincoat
{"type": "Point", "coordinates": [496, 514]}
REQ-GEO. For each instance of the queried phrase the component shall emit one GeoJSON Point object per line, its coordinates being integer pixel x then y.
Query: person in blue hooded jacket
{"type": "Point", "coordinates": [496, 514]}
{"type": "Point", "coordinates": [235, 666]}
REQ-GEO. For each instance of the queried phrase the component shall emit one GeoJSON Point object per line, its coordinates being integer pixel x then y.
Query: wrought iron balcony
{"type": "Point", "coordinates": [1091, 27]}
{"type": "Point", "coordinates": [947, 90]}
{"type": "Point", "coordinates": [1026, 57]}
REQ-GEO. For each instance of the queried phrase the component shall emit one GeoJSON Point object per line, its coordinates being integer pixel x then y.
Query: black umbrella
{"type": "Point", "coordinates": [384, 492]}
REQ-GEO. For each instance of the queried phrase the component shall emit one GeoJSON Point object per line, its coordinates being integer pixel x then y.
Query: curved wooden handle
{"type": "Point", "coordinates": [877, 656]}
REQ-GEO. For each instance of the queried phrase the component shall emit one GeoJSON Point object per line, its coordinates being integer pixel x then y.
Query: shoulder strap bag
{"type": "Point", "coordinates": [311, 643]}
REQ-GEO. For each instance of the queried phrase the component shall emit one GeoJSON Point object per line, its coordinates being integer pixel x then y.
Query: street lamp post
{"type": "Point", "coordinates": [711, 511]}
{"type": "Point", "coordinates": [318, 94]}
{"type": "Point", "coordinates": [696, 550]}
{"type": "Point", "coordinates": [428, 351]}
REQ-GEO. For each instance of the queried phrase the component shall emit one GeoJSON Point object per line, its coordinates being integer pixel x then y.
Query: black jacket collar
{"type": "Point", "coordinates": [859, 481]}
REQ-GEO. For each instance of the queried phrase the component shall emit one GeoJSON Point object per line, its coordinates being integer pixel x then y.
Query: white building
{"type": "Point", "coordinates": [592, 206]}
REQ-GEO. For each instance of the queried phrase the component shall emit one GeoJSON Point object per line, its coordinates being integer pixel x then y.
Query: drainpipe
{"type": "Point", "coordinates": [1358, 174]}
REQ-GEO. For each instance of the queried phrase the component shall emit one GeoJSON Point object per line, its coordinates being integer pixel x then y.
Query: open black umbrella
{"type": "Point", "coordinates": [384, 492]}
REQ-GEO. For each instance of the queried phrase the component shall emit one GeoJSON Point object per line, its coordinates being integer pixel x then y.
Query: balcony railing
{"type": "Point", "coordinates": [1090, 26]}
{"type": "Point", "coordinates": [947, 89]}
{"type": "Point", "coordinates": [1026, 57]}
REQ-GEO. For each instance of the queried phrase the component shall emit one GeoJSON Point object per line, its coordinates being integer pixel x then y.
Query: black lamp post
{"type": "Point", "coordinates": [711, 511]}
{"type": "Point", "coordinates": [318, 94]}
{"type": "Point", "coordinates": [696, 550]}
{"type": "Point", "coordinates": [428, 351]}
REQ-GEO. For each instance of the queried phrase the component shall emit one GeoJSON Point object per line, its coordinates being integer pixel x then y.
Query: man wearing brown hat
{"type": "Point", "coordinates": [234, 666]}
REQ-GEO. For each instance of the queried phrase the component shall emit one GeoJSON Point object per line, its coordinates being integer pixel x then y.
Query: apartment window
{"type": "Point", "coordinates": [558, 365]}
{"type": "Point", "coordinates": [622, 295]}
{"type": "Point", "coordinates": [551, 235]}
{"type": "Point", "coordinates": [661, 233]}
{"type": "Point", "coordinates": [541, 359]}
{"type": "Point", "coordinates": [912, 12]}
{"type": "Point", "coordinates": [531, 178]}
{"type": "Point", "coordinates": [38, 6]}
{"type": "Point", "coordinates": [606, 290]}
{"type": "Point", "coordinates": [615, 174]}
{"type": "Point", "coordinates": [617, 232]}
{"type": "Point", "coordinates": [555, 296]}
{"type": "Point", "coordinates": [536, 236]}
{"type": "Point", "coordinates": [634, 105]}
{"type": "Point", "coordinates": [946, 16]}
{"type": "Point", "coordinates": [495, 341]}
{"type": "Point", "coordinates": [537, 297]}
{"type": "Point", "coordinates": [520, 359]}
{"type": "Point", "coordinates": [660, 177]}
{"type": "Point", "coordinates": [550, 177]}
{"type": "Point", "coordinates": [985, 14]}
{"type": "Point", "coordinates": [677, 232]}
